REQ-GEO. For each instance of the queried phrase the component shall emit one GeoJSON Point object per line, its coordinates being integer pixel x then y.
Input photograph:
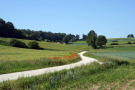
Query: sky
{"type": "Point", "coordinates": [112, 18]}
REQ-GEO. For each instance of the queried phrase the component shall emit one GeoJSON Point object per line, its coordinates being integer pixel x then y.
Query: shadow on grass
{"type": "Point", "coordinates": [47, 49]}
{"type": "Point", "coordinates": [50, 49]}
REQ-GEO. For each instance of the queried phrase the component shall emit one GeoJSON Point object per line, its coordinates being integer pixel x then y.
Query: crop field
{"type": "Point", "coordinates": [122, 41]}
{"type": "Point", "coordinates": [130, 55]}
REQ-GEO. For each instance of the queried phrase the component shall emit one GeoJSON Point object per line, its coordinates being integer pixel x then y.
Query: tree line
{"type": "Point", "coordinates": [7, 29]}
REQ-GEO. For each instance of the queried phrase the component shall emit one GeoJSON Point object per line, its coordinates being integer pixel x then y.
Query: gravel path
{"type": "Point", "coordinates": [13, 76]}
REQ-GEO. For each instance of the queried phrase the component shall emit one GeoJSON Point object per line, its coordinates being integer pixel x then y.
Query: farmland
{"type": "Point", "coordinates": [117, 72]}
{"type": "Point", "coordinates": [15, 59]}
{"type": "Point", "coordinates": [119, 55]}
{"type": "Point", "coordinates": [50, 50]}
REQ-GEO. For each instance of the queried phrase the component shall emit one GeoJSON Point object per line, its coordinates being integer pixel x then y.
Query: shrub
{"type": "Point", "coordinates": [129, 43]}
{"type": "Point", "coordinates": [33, 45]}
{"type": "Point", "coordinates": [114, 44]}
{"type": "Point", "coordinates": [17, 43]}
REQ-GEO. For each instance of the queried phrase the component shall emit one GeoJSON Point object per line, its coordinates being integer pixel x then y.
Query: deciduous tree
{"type": "Point", "coordinates": [101, 40]}
{"type": "Point", "coordinates": [91, 39]}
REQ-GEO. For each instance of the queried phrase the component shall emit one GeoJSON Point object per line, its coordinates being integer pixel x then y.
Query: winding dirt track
{"type": "Point", "coordinates": [13, 76]}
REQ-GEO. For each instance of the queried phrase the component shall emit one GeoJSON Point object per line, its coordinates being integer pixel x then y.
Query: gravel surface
{"type": "Point", "coordinates": [13, 76]}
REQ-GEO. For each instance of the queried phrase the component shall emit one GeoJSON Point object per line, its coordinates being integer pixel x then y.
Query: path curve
{"type": "Point", "coordinates": [13, 76]}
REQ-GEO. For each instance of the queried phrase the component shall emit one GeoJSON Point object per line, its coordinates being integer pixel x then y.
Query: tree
{"type": "Point", "coordinates": [101, 40]}
{"type": "Point", "coordinates": [77, 37]}
{"type": "Point", "coordinates": [91, 39]}
{"type": "Point", "coordinates": [10, 25]}
{"type": "Point", "coordinates": [10, 29]}
{"type": "Point", "coordinates": [65, 40]}
{"type": "Point", "coordinates": [130, 36]}
{"type": "Point", "coordinates": [84, 37]}
{"type": "Point", "coordinates": [70, 36]}
{"type": "Point", "coordinates": [2, 28]}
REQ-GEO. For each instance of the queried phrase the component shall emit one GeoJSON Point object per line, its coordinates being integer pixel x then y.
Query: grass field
{"type": "Point", "coordinates": [50, 50]}
{"type": "Point", "coordinates": [117, 72]}
{"type": "Point", "coordinates": [15, 59]}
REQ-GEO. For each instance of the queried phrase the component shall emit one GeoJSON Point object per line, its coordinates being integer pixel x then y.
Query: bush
{"type": "Point", "coordinates": [33, 45]}
{"type": "Point", "coordinates": [129, 43]}
{"type": "Point", "coordinates": [114, 44]}
{"type": "Point", "coordinates": [17, 43]}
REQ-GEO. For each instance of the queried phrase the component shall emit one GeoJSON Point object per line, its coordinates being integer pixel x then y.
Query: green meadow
{"type": "Point", "coordinates": [15, 59]}
{"type": "Point", "coordinates": [116, 72]}
{"type": "Point", "coordinates": [50, 49]}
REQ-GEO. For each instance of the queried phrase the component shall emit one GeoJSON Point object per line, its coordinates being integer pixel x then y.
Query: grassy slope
{"type": "Point", "coordinates": [50, 50]}
{"type": "Point", "coordinates": [15, 59]}
{"type": "Point", "coordinates": [113, 75]}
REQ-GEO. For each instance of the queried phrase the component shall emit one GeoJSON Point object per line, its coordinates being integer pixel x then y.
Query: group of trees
{"type": "Point", "coordinates": [7, 29]}
{"type": "Point", "coordinates": [95, 41]}
{"type": "Point", "coordinates": [130, 36]}
{"type": "Point", "coordinates": [40, 35]}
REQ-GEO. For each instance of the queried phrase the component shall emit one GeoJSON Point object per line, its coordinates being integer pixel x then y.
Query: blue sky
{"type": "Point", "coordinates": [112, 18]}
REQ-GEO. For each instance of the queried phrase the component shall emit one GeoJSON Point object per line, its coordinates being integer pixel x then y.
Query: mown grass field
{"type": "Point", "coordinates": [117, 72]}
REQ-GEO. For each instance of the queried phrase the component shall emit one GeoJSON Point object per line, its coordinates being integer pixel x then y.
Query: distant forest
{"type": "Point", "coordinates": [7, 29]}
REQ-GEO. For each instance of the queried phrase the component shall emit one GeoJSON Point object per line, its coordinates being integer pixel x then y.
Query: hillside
{"type": "Point", "coordinates": [116, 72]}
{"type": "Point", "coordinates": [52, 54]}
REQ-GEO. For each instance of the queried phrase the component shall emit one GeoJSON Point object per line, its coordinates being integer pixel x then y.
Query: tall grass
{"type": "Point", "coordinates": [22, 65]}
{"type": "Point", "coordinates": [89, 76]}
{"type": "Point", "coordinates": [63, 79]}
